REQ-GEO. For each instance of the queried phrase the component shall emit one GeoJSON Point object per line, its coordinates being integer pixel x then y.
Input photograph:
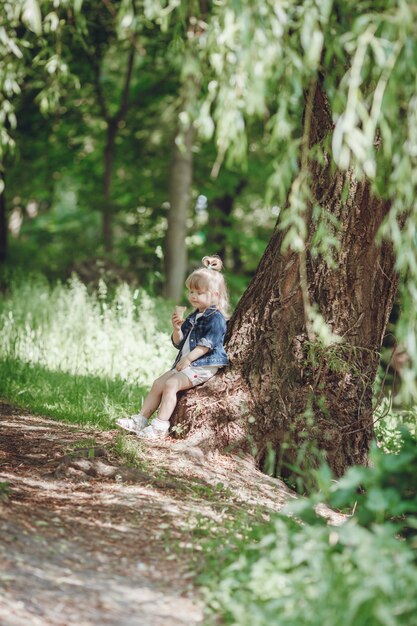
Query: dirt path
{"type": "Point", "coordinates": [84, 540]}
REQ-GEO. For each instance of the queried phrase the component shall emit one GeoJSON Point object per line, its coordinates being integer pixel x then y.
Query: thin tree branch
{"type": "Point", "coordinates": [97, 86]}
{"type": "Point", "coordinates": [124, 101]}
{"type": "Point", "coordinates": [304, 173]}
{"type": "Point", "coordinates": [130, 36]}
{"type": "Point", "coordinates": [99, 91]}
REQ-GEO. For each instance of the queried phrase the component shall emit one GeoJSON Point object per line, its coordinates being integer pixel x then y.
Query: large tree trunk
{"type": "Point", "coordinates": [281, 392]}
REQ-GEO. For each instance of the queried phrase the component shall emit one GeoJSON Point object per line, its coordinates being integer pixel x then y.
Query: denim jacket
{"type": "Point", "coordinates": [209, 330]}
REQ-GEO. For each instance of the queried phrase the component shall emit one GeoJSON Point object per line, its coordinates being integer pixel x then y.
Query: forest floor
{"type": "Point", "coordinates": [88, 538]}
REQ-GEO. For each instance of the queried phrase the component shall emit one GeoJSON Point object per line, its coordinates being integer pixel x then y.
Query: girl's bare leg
{"type": "Point", "coordinates": [153, 399]}
{"type": "Point", "coordinates": [173, 384]}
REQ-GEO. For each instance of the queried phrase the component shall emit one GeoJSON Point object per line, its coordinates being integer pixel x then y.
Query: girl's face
{"type": "Point", "coordinates": [200, 299]}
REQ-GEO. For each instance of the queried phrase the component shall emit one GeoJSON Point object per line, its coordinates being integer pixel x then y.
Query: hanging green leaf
{"type": "Point", "coordinates": [32, 16]}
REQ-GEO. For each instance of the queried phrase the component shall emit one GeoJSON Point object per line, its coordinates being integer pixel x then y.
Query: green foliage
{"type": "Point", "coordinates": [387, 422]}
{"type": "Point", "coordinates": [64, 328]}
{"type": "Point", "coordinates": [387, 490]}
{"type": "Point", "coordinates": [256, 67]}
{"type": "Point", "coordinates": [356, 574]}
{"type": "Point", "coordinates": [94, 46]}
{"type": "Point", "coordinates": [46, 242]}
{"type": "Point", "coordinates": [32, 51]}
{"type": "Point", "coordinates": [264, 63]}
{"type": "Point", "coordinates": [80, 356]}
{"type": "Point", "coordinates": [318, 576]}
{"type": "Point", "coordinates": [66, 188]}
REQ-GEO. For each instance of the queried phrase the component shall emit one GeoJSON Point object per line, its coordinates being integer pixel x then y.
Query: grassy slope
{"type": "Point", "coordinates": [79, 357]}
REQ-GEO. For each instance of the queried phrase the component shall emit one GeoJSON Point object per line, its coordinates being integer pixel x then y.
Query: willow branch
{"type": "Point", "coordinates": [304, 176]}
{"type": "Point", "coordinates": [124, 102]}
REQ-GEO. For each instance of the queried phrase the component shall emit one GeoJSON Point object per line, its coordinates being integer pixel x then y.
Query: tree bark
{"type": "Point", "coordinates": [113, 123]}
{"type": "Point", "coordinates": [220, 219]}
{"type": "Point", "coordinates": [3, 220]}
{"type": "Point", "coordinates": [282, 393]}
{"type": "Point", "coordinates": [107, 214]}
{"type": "Point", "coordinates": [181, 176]}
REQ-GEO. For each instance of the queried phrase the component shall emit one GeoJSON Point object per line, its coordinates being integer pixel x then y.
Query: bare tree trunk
{"type": "Point", "coordinates": [113, 123]}
{"type": "Point", "coordinates": [181, 177]}
{"type": "Point", "coordinates": [107, 213]}
{"type": "Point", "coordinates": [281, 392]}
{"type": "Point", "coordinates": [3, 219]}
{"type": "Point", "coordinates": [220, 219]}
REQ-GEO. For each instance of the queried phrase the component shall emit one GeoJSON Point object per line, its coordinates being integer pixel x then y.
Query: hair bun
{"type": "Point", "coordinates": [213, 263]}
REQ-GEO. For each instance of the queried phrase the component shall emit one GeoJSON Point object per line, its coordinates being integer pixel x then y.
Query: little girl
{"type": "Point", "coordinates": [199, 340]}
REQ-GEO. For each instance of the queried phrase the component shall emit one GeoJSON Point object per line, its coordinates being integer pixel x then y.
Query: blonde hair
{"type": "Point", "coordinates": [210, 278]}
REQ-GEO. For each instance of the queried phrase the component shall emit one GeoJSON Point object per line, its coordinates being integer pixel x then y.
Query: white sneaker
{"type": "Point", "coordinates": [150, 432]}
{"type": "Point", "coordinates": [134, 424]}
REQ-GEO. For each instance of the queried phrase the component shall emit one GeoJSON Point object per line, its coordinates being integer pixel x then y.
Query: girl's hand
{"type": "Point", "coordinates": [183, 363]}
{"type": "Point", "coordinates": [176, 321]}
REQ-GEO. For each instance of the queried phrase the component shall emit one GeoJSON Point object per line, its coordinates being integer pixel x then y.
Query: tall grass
{"type": "Point", "coordinates": [70, 353]}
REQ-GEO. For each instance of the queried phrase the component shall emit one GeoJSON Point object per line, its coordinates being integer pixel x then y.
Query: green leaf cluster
{"type": "Point", "coordinates": [386, 491]}
{"type": "Point", "coordinates": [315, 576]}
{"type": "Point", "coordinates": [254, 66]}
{"type": "Point", "coordinates": [357, 573]}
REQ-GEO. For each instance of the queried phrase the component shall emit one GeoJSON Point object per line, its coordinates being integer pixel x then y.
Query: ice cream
{"type": "Point", "coordinates": [180, 310]}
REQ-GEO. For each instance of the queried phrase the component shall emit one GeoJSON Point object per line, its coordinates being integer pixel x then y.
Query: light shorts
{"type": "Point", "coordinates": [199, 375]}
